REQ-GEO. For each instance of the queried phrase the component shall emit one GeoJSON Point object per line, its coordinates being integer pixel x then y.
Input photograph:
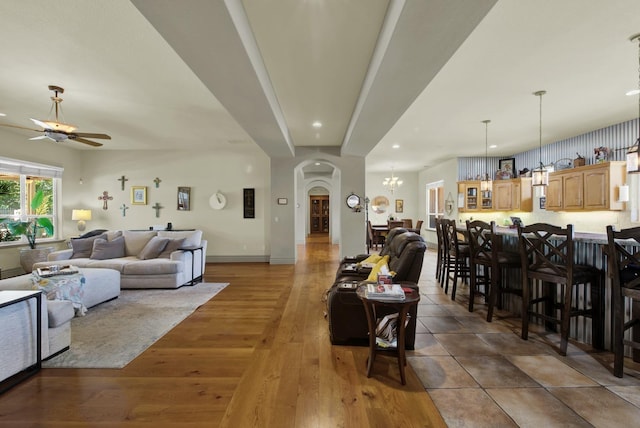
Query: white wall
{"type": "Point", "coordinates": [448, 172]}
{"type": "Point", "coordinates": [408, 192]}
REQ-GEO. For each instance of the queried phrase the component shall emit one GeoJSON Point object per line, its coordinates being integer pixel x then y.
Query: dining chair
{"type": "Point", "coordinates": [547, 256]}
{"type": "Point", "coordinates": [395, 223]}
{"type": "Point", "coordinates": [374, 237]}
{"type": "Point", "coordinates": [440, 257]}
{"type": "Point", "coordinates": [407, 223]}
{"type": "Point", "coordinates": [486, 252]}
{"type": "Point", "coordinates": [624, 266]}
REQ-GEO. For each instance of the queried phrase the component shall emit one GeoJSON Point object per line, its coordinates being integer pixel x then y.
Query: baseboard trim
{"type": "Point", "coordinates": [237, 259]}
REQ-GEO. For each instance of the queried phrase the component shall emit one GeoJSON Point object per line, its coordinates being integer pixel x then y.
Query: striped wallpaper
{"type": "Point", "coordinates": [616, 137]}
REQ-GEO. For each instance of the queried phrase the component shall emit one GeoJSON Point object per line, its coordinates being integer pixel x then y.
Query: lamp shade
{"type": "Point", "coordinates": [81, 215]}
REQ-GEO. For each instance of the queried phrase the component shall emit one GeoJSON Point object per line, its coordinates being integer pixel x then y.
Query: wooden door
{"type": "Point", "coordinates": [573, 190]}
{"type": "Point", "coordinates": [596, 189]}
{"type": "Point", "coordinates": [319, 214]}
{"type": "Point", "coordinates": [554, 193]}
{"type": "Point", "coordinates": [502, 195]}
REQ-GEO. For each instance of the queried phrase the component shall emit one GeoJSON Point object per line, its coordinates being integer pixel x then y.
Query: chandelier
{"type": "Point", "coordinates": [540, 175]}
{"type": "Point", "coordinates": [392, 183]}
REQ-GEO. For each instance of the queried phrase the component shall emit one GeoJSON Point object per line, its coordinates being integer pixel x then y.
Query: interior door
{"type": "Point", "coordinates": [319, 214]}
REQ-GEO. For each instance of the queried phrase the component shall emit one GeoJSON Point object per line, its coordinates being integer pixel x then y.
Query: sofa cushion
{"type": "Point", "coordinates": [152, 267]}
{"type": "Point", "coordinates": [82, 247]}
{"type": "Point", "coordinates": [191, 238]}
{"type": "Point", "coordinates": [103, 249]}
{"type": "Point", "coordinates": [153, 248]}
{"type": "Point", "coordinates": [172, 245]}
{"type": "Point", "coordinates": [134, 241]}
{"type": "Point", "coordinates": [60, 312]}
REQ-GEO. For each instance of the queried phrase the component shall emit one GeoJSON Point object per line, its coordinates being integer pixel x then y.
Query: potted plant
{"type": "Point", "coordinates": [30, 230]}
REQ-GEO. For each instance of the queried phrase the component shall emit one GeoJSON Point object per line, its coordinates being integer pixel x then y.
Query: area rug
{"type": "Point", "coordinates": [113, 333]}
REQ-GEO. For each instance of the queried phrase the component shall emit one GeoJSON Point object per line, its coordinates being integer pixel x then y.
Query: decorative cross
{"type": "Point", "coordinates": [105, 198]}
{"type": "Point", "coordinates": [124, 209]}
{"type": "Point", "coordinates": [157, 181]}
{"type": "Point", "coordinates": [157, 207]}
{"type": "Point", "coordinates": [122, 180]}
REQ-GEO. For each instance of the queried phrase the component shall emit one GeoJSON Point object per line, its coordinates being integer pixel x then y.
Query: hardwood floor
{"type": "Point", "coordinates": [257, 355]}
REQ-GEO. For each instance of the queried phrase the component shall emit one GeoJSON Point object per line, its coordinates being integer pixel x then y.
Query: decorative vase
{"type": "Point", "coordinates": [28, 257]}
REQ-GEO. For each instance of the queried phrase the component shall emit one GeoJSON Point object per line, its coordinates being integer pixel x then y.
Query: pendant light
{"type": "Point", "coordinates": [486, 184]}
{"type": "Point", "coordinates": [633, 152]}
{"type": "Point", "coordinates": [540, 175]}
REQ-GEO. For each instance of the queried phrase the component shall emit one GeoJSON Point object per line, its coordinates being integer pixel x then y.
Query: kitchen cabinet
{"type": "Point", "coordinates": [513, 195]}
{"type": "Point", "coordinates": [471, 199]}
{"type": "Point", "coordinates": [587, 188]}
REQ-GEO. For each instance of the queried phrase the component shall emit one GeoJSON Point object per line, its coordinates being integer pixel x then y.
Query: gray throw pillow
{"type": "Point", "coordinates": [172, 245]}
{"type": "Point", "coordinates": [153, 248]}
{"type": "Point", "coordinates": [103, 249]}
{"type": "Point", "coordinates": [82, 247]}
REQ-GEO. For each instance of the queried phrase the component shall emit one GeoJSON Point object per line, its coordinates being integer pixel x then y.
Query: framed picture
{"type": "Point", "coordinates": [249, 202]}
{"type": "Point", "coordinates": [399, 205]}
{"type": "Point", "coordinates": [508, 167]}
{"type": "Point", "coordinates": [139, 195]}
{"type": "Point", "coordinates": [184, 198]}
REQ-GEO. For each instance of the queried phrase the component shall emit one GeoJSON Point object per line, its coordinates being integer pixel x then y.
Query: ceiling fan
{"type": "Point", "coordinates": [59, 131]}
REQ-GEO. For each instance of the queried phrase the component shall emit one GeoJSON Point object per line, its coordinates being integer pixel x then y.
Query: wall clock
{"type": "Point", "coordinates": [217, 201]}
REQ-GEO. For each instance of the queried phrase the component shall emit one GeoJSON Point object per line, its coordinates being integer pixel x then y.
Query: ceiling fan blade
{"type": "Point", "coordinates": [40, 123]}
{"type": "Point", "coordinates": [89, 142]}
{"type": "Point", "coordinates": [42, 137]}
{"type": "Point", "coordinates": [20, 127]}
{"type": "Point", "coordinates": [89, 135]}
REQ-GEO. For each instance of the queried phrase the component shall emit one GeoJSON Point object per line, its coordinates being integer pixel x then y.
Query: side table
{"type": "Point", "coordinates": [402, 307]}
{"type": "Point", "coordinates": [192, 250]}
{"type": "Point", "coordinates": [12, 297]}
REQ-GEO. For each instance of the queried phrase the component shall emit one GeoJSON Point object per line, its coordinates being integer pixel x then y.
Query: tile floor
{"type": "Point", "coordinates": [482, 374]}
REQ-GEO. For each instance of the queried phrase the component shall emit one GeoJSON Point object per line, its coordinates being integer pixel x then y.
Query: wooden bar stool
{"type": "Point", "coordinates": [624, 267]}
{"type": "Point", "coordinates": [441, 252]}
{"type": "Point", "coordinates": [456, 257]}
{"type": "Point", "coordinates": [547, 255]}
{"type": "Point", "coordinates": [486, 251]}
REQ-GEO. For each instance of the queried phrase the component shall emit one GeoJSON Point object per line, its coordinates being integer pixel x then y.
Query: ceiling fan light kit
{"type": "Point", "coordinates": [58, 131]}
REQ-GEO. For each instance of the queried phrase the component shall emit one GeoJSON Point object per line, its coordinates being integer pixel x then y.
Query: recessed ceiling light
{"type": "Point", "coordinates": [493, 146]}
{"type": "Point", "coordinates": [633, 92]}
{"type": "Point", "coordinates": [2, 114]}
{"type": "Point", "coordinates": [317, 124]}
{"type": "Point", "coordinates": [317, 163]}
{"type": "Point", "coordinates": [396, 146]}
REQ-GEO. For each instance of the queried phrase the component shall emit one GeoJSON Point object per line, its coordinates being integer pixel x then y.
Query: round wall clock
{"type": "Point", "coordinates": [217, 201]}
{"type": "Point", "coordinates": [353, 200]}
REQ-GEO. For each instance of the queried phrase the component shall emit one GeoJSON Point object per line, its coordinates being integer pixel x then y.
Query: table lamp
{"type": "Point", "coordinates": [81, 216]}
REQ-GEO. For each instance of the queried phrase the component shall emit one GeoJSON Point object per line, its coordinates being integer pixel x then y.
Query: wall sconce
{"type": "Point", "coordinates": [81, 216]}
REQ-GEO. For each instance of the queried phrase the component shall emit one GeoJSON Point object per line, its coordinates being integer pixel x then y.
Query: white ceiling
{"type": "Point", "coordinates": [194, 74]}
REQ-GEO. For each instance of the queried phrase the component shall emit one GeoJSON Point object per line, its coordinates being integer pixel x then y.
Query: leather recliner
{"type": "Point", "coordinates": [347, 319]}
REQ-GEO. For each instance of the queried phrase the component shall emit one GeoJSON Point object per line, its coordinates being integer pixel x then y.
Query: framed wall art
{"type": "Point", "coordinates": [249, 203]}
{"type": "Point", "coordinates": [138, 195]}
{"type": "Point", "coordinates": [184, 198]}
{"type": "Point", "coordinates": [507, 168]}
{"type": "Point", "coordinates": [399, 205]}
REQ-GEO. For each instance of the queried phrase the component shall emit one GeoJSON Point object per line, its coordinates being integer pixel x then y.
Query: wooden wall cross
{"type": "Point", "coordinates": [157, 207]}
{"type": "Point", "coordinates": [157, 181]}
{"type": "Point", "coordinates": [105, 198]}
{"type": "Point", "coordinates": [124, 209]}
{"type": "Point", "coordinates": [122, 180]}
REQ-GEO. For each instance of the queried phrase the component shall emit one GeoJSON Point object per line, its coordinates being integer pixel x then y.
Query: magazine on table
{"type": "Point", "coordinates": [56, 270]}
{"type": "Point", "coordinates": [389, 292]}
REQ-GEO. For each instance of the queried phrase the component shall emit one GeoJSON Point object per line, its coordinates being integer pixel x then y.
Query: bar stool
{"type": "Point", "coordinates": [624, 268]}
{"type": "Point", "coordinates": [441, 252]}
{"type": "Point", "coordinates": [456, 253]}
{"type": "Point", "coordinates": [486, 251]}
{"type": "Point", "coordinates": [546, 253]}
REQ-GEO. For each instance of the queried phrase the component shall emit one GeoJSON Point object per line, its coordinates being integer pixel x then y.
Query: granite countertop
{"type": "Point", "coordinates": [588, 237]}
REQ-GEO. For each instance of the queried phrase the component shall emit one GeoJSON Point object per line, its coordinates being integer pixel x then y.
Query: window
{"type": "Point", "coordinates": [20, 182]}
{"type": "Point", "coordinates": [435, 203]}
